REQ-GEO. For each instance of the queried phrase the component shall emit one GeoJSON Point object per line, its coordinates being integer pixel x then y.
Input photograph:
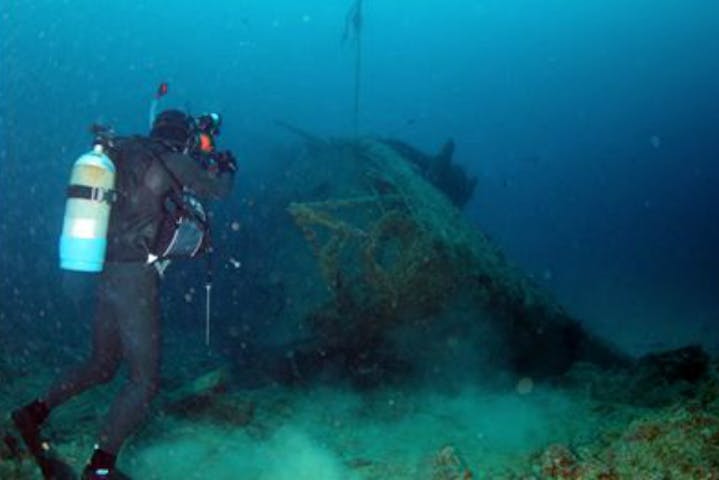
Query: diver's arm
{"type": "Point", "coordinates": [213, 183]}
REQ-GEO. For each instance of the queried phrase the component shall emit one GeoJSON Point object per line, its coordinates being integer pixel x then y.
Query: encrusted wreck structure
{"type": "Point", "coordinates": [392, 279]}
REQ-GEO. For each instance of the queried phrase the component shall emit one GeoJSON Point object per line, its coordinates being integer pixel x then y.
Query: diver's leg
{"type": "Point", "coordinates": [99, 368]}
{"type": "Point", "coordinates": [106, 354]}
{"type": "Point", "coordinates": [139, 324]}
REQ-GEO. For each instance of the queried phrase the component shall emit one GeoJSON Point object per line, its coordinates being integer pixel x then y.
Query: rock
{"type": "Point", "coordinates": [688, 364]}
{"type": "Point", "coordinates": [655, 380]}
{"type": "Point", "coordinates": [557, 461]}
{"type": "Point", "coordinates": [448, 464]}
{"type": "Point", "coordinates": [663, 378]}
{"type": "Point", "coordinates": [206, 398]}
{"type": "Point", "coordinates": [211, 383]}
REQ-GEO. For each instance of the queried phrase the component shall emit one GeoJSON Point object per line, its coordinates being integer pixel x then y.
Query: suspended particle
{"type": "Point", "coordinates": [525, 386]}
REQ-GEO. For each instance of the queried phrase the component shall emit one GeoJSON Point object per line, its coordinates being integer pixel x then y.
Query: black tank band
{"type": "Point", "coordinates": [92, 193]}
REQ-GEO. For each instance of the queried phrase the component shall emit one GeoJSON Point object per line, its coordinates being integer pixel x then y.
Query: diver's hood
{"type": "Point", "coordinates": [172, 126]}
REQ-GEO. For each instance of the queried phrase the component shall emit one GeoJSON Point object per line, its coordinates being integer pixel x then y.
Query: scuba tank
{"type": "Point", "coordinates": [87, 212]}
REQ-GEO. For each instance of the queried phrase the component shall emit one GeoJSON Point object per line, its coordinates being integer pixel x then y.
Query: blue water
{"type": "Point", "coordinates": [593, 127]}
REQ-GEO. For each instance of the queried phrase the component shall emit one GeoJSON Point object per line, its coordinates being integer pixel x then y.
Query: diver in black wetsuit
{"type": "Point", "coordinates": [126, 325]}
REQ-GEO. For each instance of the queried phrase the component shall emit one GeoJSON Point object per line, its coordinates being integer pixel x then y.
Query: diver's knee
{"type": "Point", "coordinates": [153, 388]}
{"type": "Point", "coordinates": [149, 388]}
{"type": "Point", "coordinates": [105, 371]}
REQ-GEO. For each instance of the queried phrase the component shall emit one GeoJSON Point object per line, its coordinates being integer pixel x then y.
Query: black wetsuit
{"type": "Point", "coordinates": [126, 324]}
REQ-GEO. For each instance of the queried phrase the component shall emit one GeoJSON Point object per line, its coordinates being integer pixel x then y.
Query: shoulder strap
{"type": "Point", "coordinates": [152, 147]}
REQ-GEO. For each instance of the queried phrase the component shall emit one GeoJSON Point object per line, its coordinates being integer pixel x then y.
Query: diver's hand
{"type": "Point", "coordinates": [226, 162]}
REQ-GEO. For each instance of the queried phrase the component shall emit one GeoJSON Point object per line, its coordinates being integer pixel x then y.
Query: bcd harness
{"type": "Point", "coordinates": [185, 229]}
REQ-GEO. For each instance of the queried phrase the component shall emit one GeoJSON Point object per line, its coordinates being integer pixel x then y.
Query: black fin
{"type": "Point", "coordinates": [13, 446]}
{"type": "Point", "coordinates": [55, 469]}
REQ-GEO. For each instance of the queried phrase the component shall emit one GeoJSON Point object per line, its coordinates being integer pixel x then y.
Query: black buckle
{"type": "Point", "coordinates": [111, 196]}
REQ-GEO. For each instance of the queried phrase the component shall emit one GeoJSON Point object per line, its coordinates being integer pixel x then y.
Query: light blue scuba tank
{"type": "Point", "coordinates": [90, 194]}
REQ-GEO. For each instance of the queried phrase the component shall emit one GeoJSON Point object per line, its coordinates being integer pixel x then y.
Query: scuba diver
{"type": "Point", "coordinates": [155, 216]}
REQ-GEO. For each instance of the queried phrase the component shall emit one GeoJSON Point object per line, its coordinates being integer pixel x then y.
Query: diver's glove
{"type": "Point", "coordinates": [226, 162]}
{"type": "Point", "coordinates": [217, 162]}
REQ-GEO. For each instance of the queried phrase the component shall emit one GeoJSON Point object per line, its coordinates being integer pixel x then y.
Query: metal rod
{"type": "Point", "coordinates": [208, 289]}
